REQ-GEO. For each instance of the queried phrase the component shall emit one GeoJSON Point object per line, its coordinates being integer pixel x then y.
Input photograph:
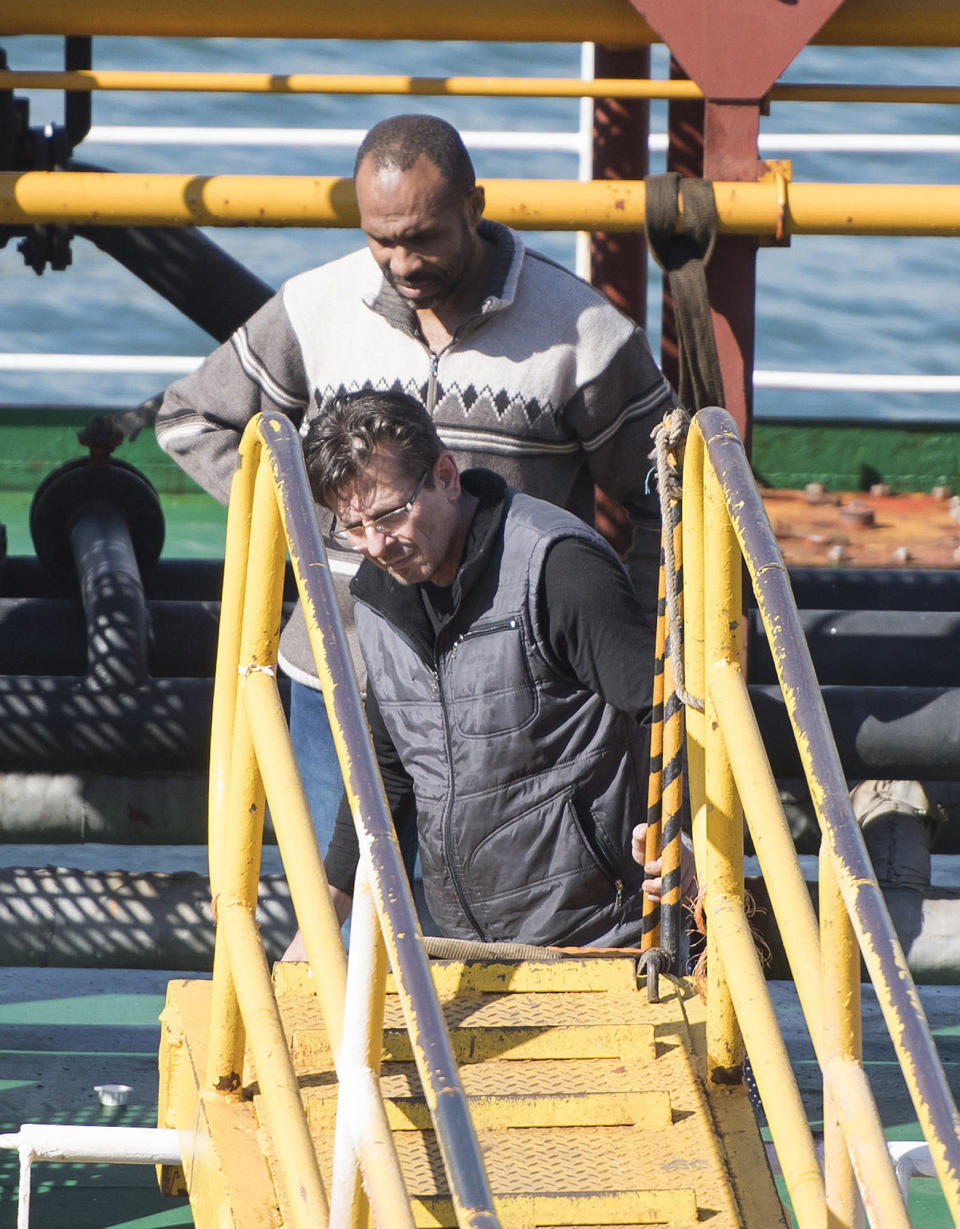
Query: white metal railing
{"type": "Point", "coordinates": [87, 1144]}
{"type": "Point", "coordinates": [544, 142]}
{"type": "Point", "coordinates": [182, 364]}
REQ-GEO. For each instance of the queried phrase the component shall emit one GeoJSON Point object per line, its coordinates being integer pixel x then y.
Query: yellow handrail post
{"type": "Point", "coordinates": [724, 819]}
{"type": "Point", "coordinates": [651, 909]}
{"type": "Point", "coordinates": [672, 769]}
{"type": "Point", "coordinates": [244, 833]}
{"type": "Point", "coordinates": [772, 840]}
{"type": "Point", "coordinates": [855, 1153]}
{"type": "Point", "coordinates": [299, 1172]}
{"type": "Point", "coordinates": [842, 1038]}
{"type": "Point", "coordinates": [774, 1075]}
{"type": "Point", "coordinates": [395, 907]}
{"type": "Point", "coordinates": [693, 633]}
{"type": "Point", "coordinates": [239, 511]}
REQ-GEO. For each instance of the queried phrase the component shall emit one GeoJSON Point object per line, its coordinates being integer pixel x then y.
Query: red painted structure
{"type": "Point", "coordinates": [734, 50]}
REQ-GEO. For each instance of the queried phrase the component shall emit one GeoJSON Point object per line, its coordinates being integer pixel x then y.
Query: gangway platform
{"type": "Point", "coordinates": [590, 1102]}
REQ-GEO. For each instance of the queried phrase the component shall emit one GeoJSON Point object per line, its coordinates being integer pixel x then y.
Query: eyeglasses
{"type": "Point", "coordinates": [388, 523]}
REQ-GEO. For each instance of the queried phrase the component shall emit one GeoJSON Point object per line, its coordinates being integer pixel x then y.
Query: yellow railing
{"type": "Point", "coordinates": [252, 763]}
{"type": "Point", "coordinates": [731, 779]}
{"type": "Point", "coordinates": [770, 207]}
{"type": "Point", "coordinates": [864, 23]}
{"type": "Point", "coordinates": [88, 80]}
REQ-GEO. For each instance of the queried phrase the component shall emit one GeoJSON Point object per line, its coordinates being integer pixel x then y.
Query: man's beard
{"type": "Point", "coordinates": [439, 285]}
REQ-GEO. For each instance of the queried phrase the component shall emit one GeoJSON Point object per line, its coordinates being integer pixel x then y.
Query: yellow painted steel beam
{"type": "Point", "coordinates": [89, 80]}
{"type": "Point", "coordinates": [771, 836]}
{"type": "Point", "coordinates": [776, 1082]}
{"type": "Point", "coordinates": [156, 81]}
{"type": "Point", "coordinates": [608, 21]}
{"type": "Point", "coordinates": [724, 818]}
{"type": "Point", "coordinates": [101, 199]}
{"type": "Point", "coordinates": [243, 837]}
{"type": "Point", "coordinates": [842, 1038]}
{"type": "Point", "coordinates": [907, 23]}
{"type": "Point", "coordinates": [274, 1069]}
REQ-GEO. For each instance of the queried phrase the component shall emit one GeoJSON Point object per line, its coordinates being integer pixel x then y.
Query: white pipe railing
{"type": "Point", "coordinates": [183, 364]}
{"type": "Point", "coordinates": [36, 1141]}
{"type": "Point", "coordinates": [545, 142]}
{"type": "Point", "coordinates": [911, 1159]}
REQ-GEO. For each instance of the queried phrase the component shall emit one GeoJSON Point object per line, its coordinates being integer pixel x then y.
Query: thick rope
{"type": "Point", "coordinates": [441, 948]}
{"type": "Point", "coordinates": [683, 256]}
{"type": "Point", "coordinates": [668, 437]}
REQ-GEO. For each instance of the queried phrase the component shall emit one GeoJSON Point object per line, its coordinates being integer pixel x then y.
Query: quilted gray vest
{"type": "Point", "coordinates": [527, 785]}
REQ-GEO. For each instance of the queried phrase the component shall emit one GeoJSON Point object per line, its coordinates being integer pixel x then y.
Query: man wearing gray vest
{"type": "Point", "coordinates": [505, 696]}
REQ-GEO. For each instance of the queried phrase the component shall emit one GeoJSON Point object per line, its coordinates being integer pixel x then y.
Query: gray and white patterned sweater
{"type": "Point", "coordinates": [547, 384]}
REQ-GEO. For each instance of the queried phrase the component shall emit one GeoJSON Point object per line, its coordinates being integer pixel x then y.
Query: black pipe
{"type": "Point", "coordinates": [48, 636]}
{"type": "Point", "coordinates": [876, 648]}
{"type": "Point", "coordinates": [894, 733]}
{"type": "Point", "coordinates": [112, 595]}
{"type": "Point", "coordinates": [875, 588]}
{"type": "Point", "coordinates": [66, 724]}
{"type": "Point", "coordinates": [188, 580]}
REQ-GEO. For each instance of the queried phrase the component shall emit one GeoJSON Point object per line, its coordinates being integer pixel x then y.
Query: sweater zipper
{"type": "Point", "coordinates": [446, 826]}
{"type": "Point", "coordinates": [432, 383]}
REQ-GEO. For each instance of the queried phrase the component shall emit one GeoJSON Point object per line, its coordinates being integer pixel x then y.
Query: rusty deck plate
{"type": "Point", "coordinates": [856, 529]}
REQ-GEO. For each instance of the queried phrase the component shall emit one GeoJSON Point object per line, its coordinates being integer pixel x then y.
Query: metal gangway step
{"type": "Point", "coordinates": [590, 1102]}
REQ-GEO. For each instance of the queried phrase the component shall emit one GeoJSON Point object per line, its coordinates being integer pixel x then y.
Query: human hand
{"type": "Point", "coordinates": [653, 883]}
{"type": "Point", "coordinates": [342, 904]}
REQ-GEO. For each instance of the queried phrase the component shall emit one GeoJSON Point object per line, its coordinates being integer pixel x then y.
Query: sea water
{"type": "Point", "coordinates": [866, 305]}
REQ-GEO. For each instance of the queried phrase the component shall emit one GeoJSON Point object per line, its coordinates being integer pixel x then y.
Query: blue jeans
{"type": "Point", "coordinates": [320, 771]}
{"type": "Point", "coordinates": [316, 759]}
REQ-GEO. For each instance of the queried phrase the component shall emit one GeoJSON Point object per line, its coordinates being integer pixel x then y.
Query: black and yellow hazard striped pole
{"type": "Point", "coordinates": [651, 907]}
{"type": "Point", "coordinates": [673, 740]}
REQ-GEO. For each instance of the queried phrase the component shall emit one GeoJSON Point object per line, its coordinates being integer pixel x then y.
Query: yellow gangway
{"type": "Point", "coordinates": [518, 1089]}
{"type": "Point", "coordinates": [529, 1087]}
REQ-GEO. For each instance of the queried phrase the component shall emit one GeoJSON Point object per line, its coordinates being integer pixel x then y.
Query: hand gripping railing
{"type": "Point", "coordinates": [252, 761]}
{"type": "Point", "coordinates": [723, 517]}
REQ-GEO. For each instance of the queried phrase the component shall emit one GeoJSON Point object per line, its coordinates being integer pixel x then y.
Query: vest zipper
{"type": "Point", "coordinates": [487, 629]}
{"type": "Point", "coordinates": [598, 855]}
{"type": "Point", "coordinates": [445, 824]}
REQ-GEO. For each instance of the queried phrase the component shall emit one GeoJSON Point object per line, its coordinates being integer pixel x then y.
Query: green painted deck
{"type": "Point", "coordinates": [62, 1031]}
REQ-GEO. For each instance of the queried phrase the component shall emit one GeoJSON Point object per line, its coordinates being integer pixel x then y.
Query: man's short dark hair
{"type": "Point", "coordinates": [341, 439]}
{"type": "Point", "coordinates": [397, 143]}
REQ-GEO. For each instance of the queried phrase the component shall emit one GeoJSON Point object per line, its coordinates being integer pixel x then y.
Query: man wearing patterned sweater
{"type": "Point", "coordinates": [525, 369]}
